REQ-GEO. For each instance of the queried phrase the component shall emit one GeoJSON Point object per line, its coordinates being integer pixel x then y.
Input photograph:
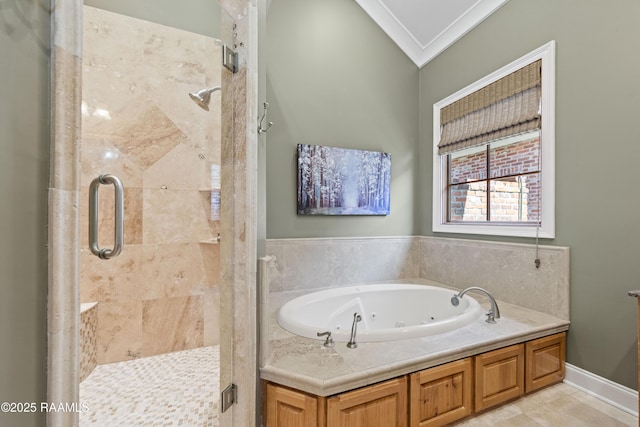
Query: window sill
{"type": "Point", "coordinates": [496, 230]}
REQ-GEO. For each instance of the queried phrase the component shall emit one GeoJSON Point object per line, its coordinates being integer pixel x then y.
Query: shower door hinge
{"type": "Point", "coordinates": [228, 397]}
{"type": "Point", "coordinates": [229, 59]}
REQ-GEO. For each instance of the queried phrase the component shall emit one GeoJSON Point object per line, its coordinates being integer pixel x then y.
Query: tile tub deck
{"type": "Point", "coordinates": [306, 365]}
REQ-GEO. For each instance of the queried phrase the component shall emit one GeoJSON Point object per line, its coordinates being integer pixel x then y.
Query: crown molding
{"type": "Point", "coordinates": [421, 53]}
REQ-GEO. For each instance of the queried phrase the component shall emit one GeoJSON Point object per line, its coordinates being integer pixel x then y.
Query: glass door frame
{"type": "Point", "coordinates": [238, 213]}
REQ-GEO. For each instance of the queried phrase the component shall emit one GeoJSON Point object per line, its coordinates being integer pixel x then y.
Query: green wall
{"type": "Point", "coordinates": [334, 78]}
{"type": "Point", "coordinates": [24, 146]}
{"type": "Point", "coordinates": [597, 155]}
{"type": "Point", "coordinates": [197, 16]}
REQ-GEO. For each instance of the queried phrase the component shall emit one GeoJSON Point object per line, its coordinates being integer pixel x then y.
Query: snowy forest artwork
{"type": "Point", "coordinates": [342, 181]}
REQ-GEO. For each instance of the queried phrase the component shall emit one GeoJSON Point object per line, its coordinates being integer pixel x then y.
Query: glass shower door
{"type": "Point", "coordinates": [160, 296]}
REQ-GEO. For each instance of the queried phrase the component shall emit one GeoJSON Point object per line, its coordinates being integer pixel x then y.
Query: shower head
{"type": "Point", "coordinates": [203, 96]}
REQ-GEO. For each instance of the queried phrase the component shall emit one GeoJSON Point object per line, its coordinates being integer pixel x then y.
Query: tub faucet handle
{"type": "Point", "coordinates": [329, 341]}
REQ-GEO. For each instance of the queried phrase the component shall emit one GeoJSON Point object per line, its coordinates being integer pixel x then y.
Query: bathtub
{"type": "Point", "coordinates": [389, 312]}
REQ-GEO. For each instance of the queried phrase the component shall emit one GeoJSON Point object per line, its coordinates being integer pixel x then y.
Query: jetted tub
{"type": "Point", "coordinates": [389, 312]}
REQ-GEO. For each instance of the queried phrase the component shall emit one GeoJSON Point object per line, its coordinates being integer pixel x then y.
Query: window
{"type": "Point", "coordinates": [493, 152]}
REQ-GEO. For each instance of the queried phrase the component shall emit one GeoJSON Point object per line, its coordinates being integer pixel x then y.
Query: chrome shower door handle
{"type": "Point", "coordinates": [118, 241]}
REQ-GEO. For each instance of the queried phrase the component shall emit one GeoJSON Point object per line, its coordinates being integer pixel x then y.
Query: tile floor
{"type": "Point", "coordinates": [557, 406]}
{"type": "Point", "coordinates": [181, 389]}
{"type": "Point", "coordinates": [174, 389]}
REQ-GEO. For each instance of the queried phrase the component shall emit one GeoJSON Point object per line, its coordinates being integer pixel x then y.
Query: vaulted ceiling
{"type": "Point", "coordinates": [424, 28]}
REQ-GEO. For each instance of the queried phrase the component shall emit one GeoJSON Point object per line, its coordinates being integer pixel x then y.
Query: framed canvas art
{"type": "Point", "coordinates": [342, 181]}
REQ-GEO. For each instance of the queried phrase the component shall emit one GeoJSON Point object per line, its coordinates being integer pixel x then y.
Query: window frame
{"type": "Point", "coordinates": [546, 229]}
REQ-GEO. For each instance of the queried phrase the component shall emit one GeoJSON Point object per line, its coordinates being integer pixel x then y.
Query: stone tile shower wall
{"type": "Point", "coordinates": [161, 294]}
{"type": "Point", "coordinates": [507, 270]}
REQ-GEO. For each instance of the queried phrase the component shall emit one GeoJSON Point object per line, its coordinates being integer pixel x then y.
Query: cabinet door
{"type": "Point", "coordinates": [545, 361]}
{"type": "Point", "coordinates": [290, 408]}
{"type": "Point", "coordinates": [378, 405]}
{"type": "Point", "coordinates": [441, 395]}
{"type": "Point", "coordinates": [499, 376]}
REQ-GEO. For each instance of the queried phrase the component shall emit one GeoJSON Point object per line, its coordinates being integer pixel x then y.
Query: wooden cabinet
{"type": "Point", "coordinates": [545, 361]}
{"type": "Point", "coordinates": [433, 397]}
{"type": "Point", "coordinates": [499, 376]}
{"type": "Point", "coordinates": [441, 395]}
{"type": "Point", "coordinates": [285, 407]}
{"type": "Point", "coordinates": [379, 405]}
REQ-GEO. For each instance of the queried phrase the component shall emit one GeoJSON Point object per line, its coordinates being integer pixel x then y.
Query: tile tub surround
{"type": "Point", "coordinates": [506, 270]}
{"type": "Point", "coordinates": [162, 293]}
{"type": "Point", "coordinates": [306, 365]}
{"type": "Point", "coordinates": [296, 264]}
{"type": "Point", "coordinates": [88, 332]}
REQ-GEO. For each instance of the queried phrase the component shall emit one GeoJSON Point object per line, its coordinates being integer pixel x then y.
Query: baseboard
{"type": "Point", "coordinates": [615, 394]}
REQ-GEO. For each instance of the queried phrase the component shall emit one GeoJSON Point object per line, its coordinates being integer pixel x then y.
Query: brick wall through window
{"type": "Point", "coordinates": [514, 184]}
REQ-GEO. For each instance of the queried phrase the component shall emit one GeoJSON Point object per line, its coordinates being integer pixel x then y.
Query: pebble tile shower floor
{"type": "Point", "coordinates": [174, 389]}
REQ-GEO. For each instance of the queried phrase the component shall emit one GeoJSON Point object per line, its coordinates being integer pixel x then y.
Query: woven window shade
{"type": "Point", "coordinates": [506, 107]}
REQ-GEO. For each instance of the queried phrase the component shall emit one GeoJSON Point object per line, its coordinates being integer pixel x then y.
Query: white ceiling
{"type": "Point", "coordinates": [424, 28]}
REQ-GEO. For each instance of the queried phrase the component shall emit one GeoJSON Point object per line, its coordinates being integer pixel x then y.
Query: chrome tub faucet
{"type": "Point", "coordinates": [494, 311]}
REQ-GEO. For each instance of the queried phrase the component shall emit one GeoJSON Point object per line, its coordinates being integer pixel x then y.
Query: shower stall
{"type": "Point", "coordinates": [169, 152]}
{"type": "Point", "coordinates": [150, 170]}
